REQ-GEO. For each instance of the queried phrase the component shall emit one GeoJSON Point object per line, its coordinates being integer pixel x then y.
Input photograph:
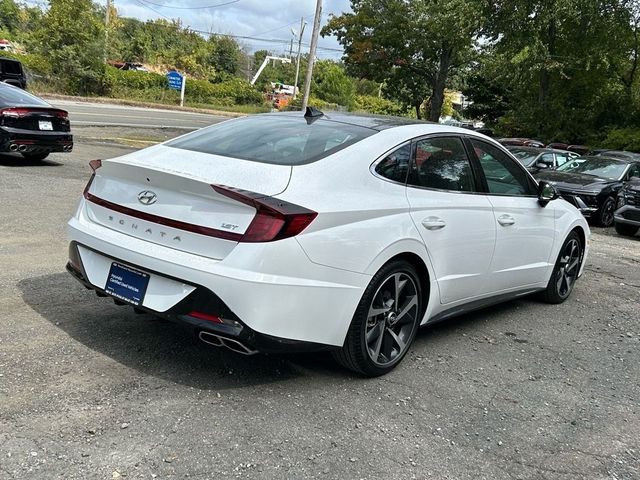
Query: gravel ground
{"type": "Point", "coordinates": [89, 390]}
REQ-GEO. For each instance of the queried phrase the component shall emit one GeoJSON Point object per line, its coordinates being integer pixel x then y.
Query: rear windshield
{"type": "Point", "coordinates": [16, 97]}
{"type": "Point", "coordinates": [11, 66]}
{"type": "Point", "coordinates": [276, 139]}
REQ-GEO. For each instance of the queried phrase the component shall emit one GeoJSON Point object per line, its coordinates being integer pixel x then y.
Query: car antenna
{"type": "Point", "coordinates": [312, 114]}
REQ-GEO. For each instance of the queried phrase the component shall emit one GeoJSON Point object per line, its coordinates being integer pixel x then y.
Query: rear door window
{"type": "Point", "coordinates": [11, 67]}
{"type": "Point", "coordinates": [276, 139]}
{"type": "Point", "coordinates": [442, 163]}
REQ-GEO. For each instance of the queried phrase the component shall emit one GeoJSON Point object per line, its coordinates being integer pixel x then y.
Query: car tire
{"type": "Point", "coordinates": [605, 214]}
{"type": "Point", "coordinates": [385, 322]}
{"type": "Point", "coordinates": [626, 230]}
{"type": "Point", "coordinates": [35, 157]}
{"type": "Point", "coordinates": [565, 271]}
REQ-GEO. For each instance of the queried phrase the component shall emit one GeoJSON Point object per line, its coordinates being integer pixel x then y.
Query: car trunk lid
{"type": "Point", "coordinates": [165, 195]}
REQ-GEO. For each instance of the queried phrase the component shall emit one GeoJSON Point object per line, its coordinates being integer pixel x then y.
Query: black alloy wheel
{"type": "Point", "coordinates": [605, 214]}
{"type": "Point", "coordinates": [565, 272]}
{"type": "Point", "coordinates": [385, 322]}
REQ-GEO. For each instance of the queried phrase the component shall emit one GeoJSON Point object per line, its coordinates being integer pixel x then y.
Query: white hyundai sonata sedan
{"type": "Point", "coordinates": [291, 232]}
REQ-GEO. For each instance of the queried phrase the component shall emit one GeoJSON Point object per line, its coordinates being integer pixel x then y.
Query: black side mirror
{"type": "Point", "coordinates": [541, 164]}
{"type": "Point", "coordinates": [546, 193]}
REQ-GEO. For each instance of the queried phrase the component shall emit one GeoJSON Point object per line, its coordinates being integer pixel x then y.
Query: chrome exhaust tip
{"type": "Point", "coordinates": [233, 345]}
{"type": "Point", "coordinates": [22, 148]}
{"type": "Point", "coordinates": [13, 147]}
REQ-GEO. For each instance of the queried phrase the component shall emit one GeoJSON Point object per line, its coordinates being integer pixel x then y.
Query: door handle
{"type": "Point", "coordinates": [506, 220]}
{"type": "Point", "coordinates": [433, 223]}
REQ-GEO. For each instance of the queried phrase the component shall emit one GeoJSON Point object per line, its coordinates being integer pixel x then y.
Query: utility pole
{"type": "Point", "coordinates": [312, 53]}
{"type": "Point", "coordinates": [106, 31]}
{"type": "Point", "coordinates": [295, 88]}
{"type": "Point", "coordinates": [291, 48]}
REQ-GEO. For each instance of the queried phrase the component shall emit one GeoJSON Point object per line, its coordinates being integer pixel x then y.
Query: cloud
{"type": "Point", "coordinates": [266, 19]}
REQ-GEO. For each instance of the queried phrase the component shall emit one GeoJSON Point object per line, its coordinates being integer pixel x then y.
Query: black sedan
{"type": "Point", "coordinates": [30, 126]}
{"type": "Point", "coordinates": [592, 184]}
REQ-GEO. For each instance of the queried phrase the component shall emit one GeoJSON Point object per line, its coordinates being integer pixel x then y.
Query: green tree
{"type": "Point", "coordinates": [70, 36]}
{"type": "Point", "coordinates": [411, 46]}
{"type": "Point", "coordinates": [332, 84]}
{"type": "Point", "coordinates": [562, 63]}
{"type": "Point", "coordinates": [9, 15]}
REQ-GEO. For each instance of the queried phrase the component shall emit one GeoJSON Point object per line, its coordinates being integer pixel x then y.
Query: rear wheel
{"type": "Point", "coordinates": [35, 157]}
{"type": "Point", "coordinates": [385, 322]}
{"type": "Point", "coordinates": [565, 272]}
{"type": "Point", "coordinates": [626, 229]}
{"type": "Point", "coordinates": [604, 217]}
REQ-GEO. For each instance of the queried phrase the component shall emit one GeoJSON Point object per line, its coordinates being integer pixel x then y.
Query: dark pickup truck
{"type": "Point", "coordinates": [11, 72]}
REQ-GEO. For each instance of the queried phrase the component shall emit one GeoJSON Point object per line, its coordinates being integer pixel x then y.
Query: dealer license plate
{"type": "Point", "coordinates": [126, 283]}
{"type": "Point", "coordinates": [45, 125]}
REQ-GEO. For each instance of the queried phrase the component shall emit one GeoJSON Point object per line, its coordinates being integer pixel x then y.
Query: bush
{"type": "Point", "coordinates": [152, 87]}
{"type": "Point", "coordinates": [377, 105]}
{"type": "Point", "coordinates": [623, 139]}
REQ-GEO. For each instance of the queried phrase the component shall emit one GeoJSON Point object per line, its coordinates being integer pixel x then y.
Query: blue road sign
{"type": "Point", "coordinates": [175, 80]}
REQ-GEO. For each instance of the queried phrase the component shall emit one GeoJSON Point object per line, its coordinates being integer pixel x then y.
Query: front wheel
{"type": "Point", "coordinates": [35, 157]}
{"type": "Point", "coordinates": [604, 217]}
{"type": "Point", "coordinates": [626, 229]}
{"type": "Point", "coordinates": [385, 322]}
{"type": "Point", "coordinates": [565, 272]}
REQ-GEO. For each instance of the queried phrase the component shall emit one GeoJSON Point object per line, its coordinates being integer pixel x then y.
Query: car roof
{"type": "Point", "coordinates": [536, 150]}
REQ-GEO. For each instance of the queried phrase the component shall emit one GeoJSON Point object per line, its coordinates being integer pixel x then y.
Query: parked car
{"type": "Point", "coordinates": [627, 215]}
{"type": "Point", "coordinates": [592, 184]}
{"type": "Point", "coordinates": [618, 154]}
{"type": "Point", "coordinates": [521, 142]}
{"type": "Point", "coordinates": [579, 149]}
{"type": "Point", "coordinates": [11, 72]}
{"type": "Point", "coordinates": [232, 229]}
{"type": "Point", "coordinates": [30, 126]}
{"type": "Point", "coordinates": [536, 159]}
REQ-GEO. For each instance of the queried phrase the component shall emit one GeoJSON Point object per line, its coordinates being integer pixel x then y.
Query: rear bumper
{"type": "Point", "coordinates": [29, 141]}
{"type": "Point", "coordinates": [202, 299]}
{"type": "Point", "coordinates": [628, 214]}
{"type": "Point", "coordinates": [281, 299]}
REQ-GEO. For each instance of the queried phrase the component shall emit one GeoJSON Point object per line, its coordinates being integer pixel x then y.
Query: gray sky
{"type": "Point", "coordinates": [267, 19]}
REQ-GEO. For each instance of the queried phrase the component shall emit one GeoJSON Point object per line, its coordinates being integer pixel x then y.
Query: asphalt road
{"type": "Point", "coordinates": [89, 390]}
{"type": "Point", "coordinates": [98, 114]}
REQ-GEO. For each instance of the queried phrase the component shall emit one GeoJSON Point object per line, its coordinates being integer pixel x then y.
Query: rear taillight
{"type": "Point", "coordinates": [275, 219]}
{"type": "Point", "coordinates": [14, 112]}
{"type": "Point", "coordinates": [95, 165]}
{"type": "Point", "coordinates": [62, 115]}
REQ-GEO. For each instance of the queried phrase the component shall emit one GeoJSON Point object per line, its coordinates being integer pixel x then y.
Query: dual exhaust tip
{"type": "Point", "coordinates": [14, 147]}
{"type": "Point", "coordinates": [218, 341]}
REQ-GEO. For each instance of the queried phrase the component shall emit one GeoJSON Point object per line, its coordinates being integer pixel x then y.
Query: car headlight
{"type": "Point", "coordinates": [590, 200]}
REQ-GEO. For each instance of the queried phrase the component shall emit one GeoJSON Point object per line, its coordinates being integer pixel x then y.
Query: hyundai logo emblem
{"type": "Point", "coordinates": [147, 197]}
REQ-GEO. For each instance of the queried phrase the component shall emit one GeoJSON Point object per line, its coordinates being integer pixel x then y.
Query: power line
{"type": "Point", "coordinates": [241, 37]}
{"type": "Point", "coordinates": [192, 8]}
